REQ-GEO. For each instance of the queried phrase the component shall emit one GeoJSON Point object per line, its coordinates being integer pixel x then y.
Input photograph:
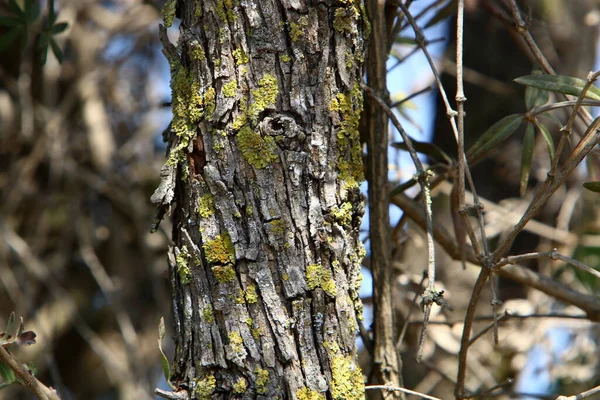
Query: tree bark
{"type": "Point", "coordinates": [262, 178]}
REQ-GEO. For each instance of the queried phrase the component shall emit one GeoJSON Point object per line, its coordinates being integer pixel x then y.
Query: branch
{"type": "Point", "coordinates": [41, 391]}
{"type": "Point", "coordinates": [589, 304]}
{"type": "Point", "coordinates": [553, 255]}
{"type": "Point", "coordinates": [391, 388]}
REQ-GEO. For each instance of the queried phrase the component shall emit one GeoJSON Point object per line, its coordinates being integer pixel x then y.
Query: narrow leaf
{"type": "Point", "coordinates": [429, 149]}
{"type": "Point", "coordinates": [442, 14]}
{"type": "Point", "coordinates": [495, 135]}
{"type": "Point", "coordinates": [592, 186]}
{"type": "Point", "coordinates": [11, 327]}
{"type": "Point", "coordinates": [9, 37]}
{"type": "Point", "coordinates": [7, 374]}
{"type": "Point", "coordinates": [14, 7]}
{"type": "Point", "coordinates": [561, 84]}
{"type": "Point", "coordinates": [56, 50]}
{"type": "Point", "coordinates": [552, 119]}
{"type": "Point", "coordinates": [8, 21]}
{"type": "Point", "coordinates": [535, 97]}
{"type": "Point", "coordinates": [402, 187]}
{"type": "Point", "coordinates": [163, 358]}
{"type": "Point", "coordinates": [526, 157]}
{"type": "Point", "coordinates": [58, 28]}
{"type": "Point", "coordinates": [548, 138]}
{"type": "Point", "coordinates": [33, 11]}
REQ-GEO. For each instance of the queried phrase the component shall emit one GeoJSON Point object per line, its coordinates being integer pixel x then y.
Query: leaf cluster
{"type": "Point", "coordinates": [19, 24]}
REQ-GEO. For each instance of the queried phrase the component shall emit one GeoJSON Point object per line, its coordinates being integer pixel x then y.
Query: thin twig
{"type": "Point", "coordinates": [492, 325]}
{"type": "Point", "coordinates": [553, 255]}
{"type": "Point", "coordinates": [587, 143]}
{"type": "Point", "coordinates": [408, 315]}
{"type": "Point", "coordinates": [41, 392]}
{"type": "Point", "coordinates": [525, 276]}
{"type": "Point", "coordinates": [411, 96]}
{"type": "Point", "coordinates": [391, 388]}
{"type": "Point", "coordinates": [561, 104]}
{"type": "Point", "coordinates": [567, 129]}
{"type": "Point", "coordinates": [484, 274]}
{"type": "Point", "coordinates": [422, 177]}
{"type": "Point", "coordinates": [582, 395]}
{"type": "Point", "coordinates": [509, 315]}
{"type": "Point", "coordinates": [451, 114]}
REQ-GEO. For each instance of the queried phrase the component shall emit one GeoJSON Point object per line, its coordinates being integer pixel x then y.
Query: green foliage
{"type": "Point", "coordinates": [495, 135]}
{"type": "Point", "coordinates": [14, 334]}
{"type": "Point", "coordinates": [163, 358]}
{"type": "Point", "coordinates": [548, 138]}
{"type": "Point", "coordinates": [19, 27]}
{"type": "Point", "coordinates": [526, 157]}
{"type": "Point", "coordinates": [560, 84]}
{"type": "Point", "coordinates": [592, 186]}
{"type": "Point", "coordinates": [429, 149]}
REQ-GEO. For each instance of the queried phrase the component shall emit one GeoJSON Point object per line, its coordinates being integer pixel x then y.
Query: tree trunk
{"type": "Point", "coordinates": [263, 172]}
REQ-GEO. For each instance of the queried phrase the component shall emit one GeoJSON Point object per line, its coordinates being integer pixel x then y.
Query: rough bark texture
{"type": "Point", "coordinates": [263, 170]}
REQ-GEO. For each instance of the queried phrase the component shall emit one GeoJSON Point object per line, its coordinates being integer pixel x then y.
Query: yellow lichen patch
{"type": "Point", "coordinates": [235, 341]}
{"type": "Point", "coordinates": [285, 58]}
{"type": "Point", "coordinates": [189, 107]}
{"type": "Point", "coordinates": [349, 105]}
{"type": "Point", "coordinates": [240, 57]}
{"type": "Point", "coordinates": [343, 214]}
{"type": "Point", "coordinates": [257, 150]}
{"type": "Point", "coordinates": [206, 206]}
{"type": "Point", "coordinates": [297, 29]}
{"type": "Point", "coordinates": [264, 96]}
{"type": "Point", "coordinates": [168, 12]}
{"type": "Point", "coordinates": [308, 394]}
{"type": "Point", "coordinates": [347, 381]}
{"type": "Point", "coordinates": [208, 314]}
{"type": "Point", "coordinates": [183, 267]}
{"type": "Point", "coordinates": [262, 377]}
{"type": "Point", "coordinates": [224, 273]}
{"type": "Point", "coordinates": [319, 277]}
{"type": "Point", "coordinates": [230, 88]}
{"type": "Point", "coordinates": [240, 386]}
{"type": "Point", "coordinates": [205, 387]}
{"type": "Point", "coordinates": [219, 250]}
{"type": "Point", "coordinates": [251, 295]}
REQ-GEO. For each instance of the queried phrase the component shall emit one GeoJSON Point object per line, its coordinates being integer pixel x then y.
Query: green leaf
{"type": "Point", "coordinates": [535, 97]}
{"type": "Point", "coordinates": [14, 7]}
{"type": "Point", "coordinates": [7, 374]}
{"type": "Point", "coordinates": [8, 21]}
{"type": "Point", "coordinates": [560, 84]}
{"type": "Point", "coordinates": [56, 50]}
{"type": "Point", "coordinates": [163, 358]}
{"type": "Point", "coordinates": [592, 186]}
{"type": "Point", "coordinates": [32, 10]}
{"type": "Point", "coordinates": [495, 135]}
{"type": "Point", "coordinates": [442, 14]}
{"type": "Point", "coordinates": [526, 157]}
{"type": "Point", "coordinates": [548, 138]}
{"type": "Point", "coordinates": [426, 148]}
{"type": "Point", "coordinates": [402, 187]}
{"type": "Point", "coordinates": [552, 119]}
{"type": "Point", "coordinates": [58, 28]}
{"type": "Point", "coordinates": [9, 37]}
{"type": "Point", "coordinates": [11, 327]}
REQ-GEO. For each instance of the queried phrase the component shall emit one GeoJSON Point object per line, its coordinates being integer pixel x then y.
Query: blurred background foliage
{"type": "Point", "coordinates": [80, 155]}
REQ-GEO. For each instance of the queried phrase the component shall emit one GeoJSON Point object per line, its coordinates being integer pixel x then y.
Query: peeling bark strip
{"type": "Point", "coordinates": [265, 149]}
